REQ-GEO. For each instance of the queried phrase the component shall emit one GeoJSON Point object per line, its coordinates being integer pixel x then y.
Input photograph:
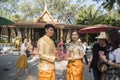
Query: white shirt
{"type": "Point", "coordinates": [84, 46]}
{"type": "Point", "coordinates": [22, 49]}
{"type": "Point", "coordinates": [115, 55]}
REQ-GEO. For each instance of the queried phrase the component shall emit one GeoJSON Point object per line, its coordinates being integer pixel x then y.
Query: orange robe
{"type": "Point", "coordinates": [46, 50]}
{"type": "Point", "coordinates": [47, 75]}
{"type": "Point", "coordinates": [75, 67]}
{"type": "Point", "coordinates": [75, 70]}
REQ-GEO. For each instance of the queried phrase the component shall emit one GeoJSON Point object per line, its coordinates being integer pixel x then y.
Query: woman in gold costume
{"type": "Point", "coordinates": [75, 67]}
{"type": "Point", "coordinates": [46, 51]}
{"type": "Point", "coordinates": [22, 60]}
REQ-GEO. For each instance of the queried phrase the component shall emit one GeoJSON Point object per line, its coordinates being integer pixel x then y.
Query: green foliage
{"type": "Point", "coordinates": [90, 16]}
{"type": "Point", "coordinates": [65, 11]}
{"type": "Point", "coordinates": [3, 0]}
{"type": "Point", "coordinates": [110, 4]}
{"type": "Point", "coordinates": [27, 10]}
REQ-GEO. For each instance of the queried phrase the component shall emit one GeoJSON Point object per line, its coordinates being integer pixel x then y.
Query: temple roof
{"type": "Point", "coordinates": [46, 16]}
{"type": "Point", "coordinates": [41, 25]}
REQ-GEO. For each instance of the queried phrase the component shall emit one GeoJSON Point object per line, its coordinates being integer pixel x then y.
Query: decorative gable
{"type": "Point", "coordinates": [46, 17]}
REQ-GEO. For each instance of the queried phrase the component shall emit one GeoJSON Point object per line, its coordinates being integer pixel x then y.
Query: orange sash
{"type": "Point", "coordinates": [75, 70]}
{"type": "Point", "coordinates": [46, 75]}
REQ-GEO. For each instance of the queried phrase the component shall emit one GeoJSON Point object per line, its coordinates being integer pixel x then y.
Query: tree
{"type": "Point", "coordinates": [109, 4]}
{"type": "Point", "coordinates": [112, 18]}
{"type": "Point", "coordinates": [62, 10]}
{"type": "Point", "coordinates": [89, 16]}
{"type": "Point", "coordinates": [8, 8]}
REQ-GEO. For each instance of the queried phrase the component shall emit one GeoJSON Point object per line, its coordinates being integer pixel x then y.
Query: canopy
{"type": "Point", "coordinates": [4, 21]}
{"type": "Point", "coordinates": [97, 28]}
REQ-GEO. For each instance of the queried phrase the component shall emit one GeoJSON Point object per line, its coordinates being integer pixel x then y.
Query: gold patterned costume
{"type": "Point", "coordinates": [46, 49]}
{"type": "Point", "coordinates": [22, 60]}
{"type": "Point", "coordinates": [17, 43]}
{"type": "Point", "coordinates": [75, 67]}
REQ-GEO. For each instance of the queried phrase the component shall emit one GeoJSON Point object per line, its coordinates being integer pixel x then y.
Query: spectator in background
{"type": "Point", "coordinates": [113, 71]}
{"type": "Point", "coordinates": [34, 48]}
{"type": "Point", "coordinates": [61, 52]}
{"type": "Point", "coordinates": [85, 45]}
{"type": "Point", "coordinates": [100, 46]}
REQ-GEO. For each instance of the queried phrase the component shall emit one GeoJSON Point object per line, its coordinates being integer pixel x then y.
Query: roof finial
{"type": "Point", "coordinates": [45, 5]}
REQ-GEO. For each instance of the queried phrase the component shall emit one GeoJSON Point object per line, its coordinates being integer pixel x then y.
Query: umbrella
{"type": "Point", "coordinates": [4, 21]}
{"type": "Point", "coordinates": [97, 28]}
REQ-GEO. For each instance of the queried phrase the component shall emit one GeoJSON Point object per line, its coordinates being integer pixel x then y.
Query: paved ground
{"type": "Point", "coordinates": [8, 69]}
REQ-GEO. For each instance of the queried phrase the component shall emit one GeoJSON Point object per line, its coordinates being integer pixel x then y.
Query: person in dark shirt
{"type": "Point", "coordinates": [113, 59]}
{"type": "Point", "coordinates": [100, 46]}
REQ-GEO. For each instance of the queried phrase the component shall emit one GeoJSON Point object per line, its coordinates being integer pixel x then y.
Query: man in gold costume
{"type": "Point", "coordinates": [46, 50]}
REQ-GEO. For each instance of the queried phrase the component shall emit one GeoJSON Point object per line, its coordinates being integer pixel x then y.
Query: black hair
{"type": "Point", "coordinates": [114, 36]}
{"type": "Point", "coordinates": [24, 39]}
{"type": "Point", "coordinates": [34, 44]}
{"type": "Point", "coordinates": [49, 26]}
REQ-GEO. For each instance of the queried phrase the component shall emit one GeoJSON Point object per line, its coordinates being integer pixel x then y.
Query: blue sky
{"type": "Point", "coordinates": [90, 2]}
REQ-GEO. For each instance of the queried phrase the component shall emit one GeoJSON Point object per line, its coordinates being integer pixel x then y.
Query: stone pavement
{"type": "Point", "coordinates": [8, 69]}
